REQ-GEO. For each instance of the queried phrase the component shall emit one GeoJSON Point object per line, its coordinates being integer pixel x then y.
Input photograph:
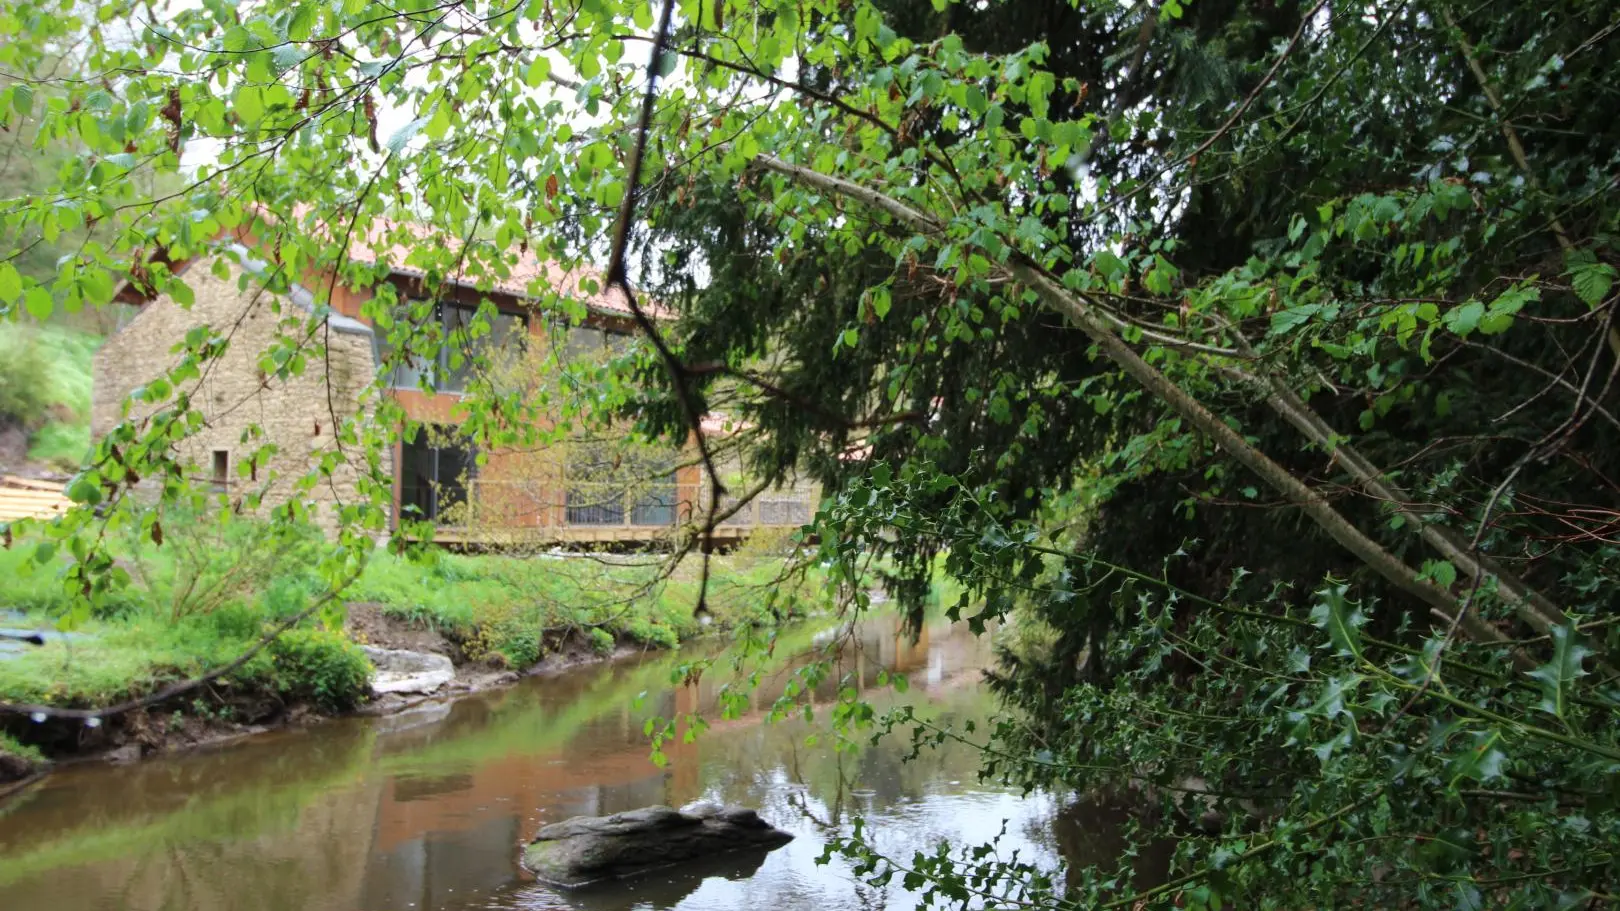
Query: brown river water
{"type": "Point", "coordinates": [426, 810]}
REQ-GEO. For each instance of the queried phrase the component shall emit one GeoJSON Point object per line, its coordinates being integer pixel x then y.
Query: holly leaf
{"type": "Point", "coordinates": [1481, 762]}
{"type": "Point", "coordinates": [1341, 618]}
{"type": "Point", "coordinates": [1557, 677]}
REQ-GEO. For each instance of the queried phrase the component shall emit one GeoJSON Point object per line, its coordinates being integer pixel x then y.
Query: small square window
{"type": "Point", "coordinates": [222, 469]}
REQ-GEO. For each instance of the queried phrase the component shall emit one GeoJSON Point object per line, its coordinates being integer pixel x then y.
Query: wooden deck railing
{"type": "Point", "coordinates": [536, 510]}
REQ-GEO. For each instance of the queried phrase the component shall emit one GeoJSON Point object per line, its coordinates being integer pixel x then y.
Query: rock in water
{"type": "Point", "coordinates": [587, 849]}
{"type": "Point", "coordinates": [400, 671]}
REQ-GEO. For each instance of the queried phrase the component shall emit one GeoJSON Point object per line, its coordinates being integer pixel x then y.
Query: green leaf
{"type": "Point", "coordinates": [22, 98]}
{"type": "Point", "coordinates": [1107, 263]}
{"type": "Point", "coordinates": [1342, 620]}
{"type": "Point", "coordinates": [1494, 323]}
{"type": "Point", "coordinates": [238, 39]}
{"type": "Point", "coordinates": [302, 21]}
{"type": "Point", "coordinates": [38, 302]}
{"type": "Point", "coordinates": [248, 102]}
{"type": "Point", "coordinates": [85, 490]}
{"type": "Point", "coordinates": [396, 143]}
{"type": "Point", "coordinates": [1481, 762]}
{"type": "Point", "coordinates": [1441, 571]}
{"type": "Point", "coordinates": [1465, 319]}
{"type": "Point", "coordinates": [881, 302]}
{"type": "Point", "coordinates": [1286, 321]}
{"type": "Point", "coordinates": [439, 123]}
{"type": "Point", "coordinates": [539, 70]}
{"type": "Point", "coordinates": [10, 283]}
{"type": "Point", "coordinates": [1557, 677]}
{"type": "Point", "coordinates": [1592, 281]}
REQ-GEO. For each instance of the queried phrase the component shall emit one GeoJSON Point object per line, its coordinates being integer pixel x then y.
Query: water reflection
{"type": "Point", "coordinates": [426, 810]}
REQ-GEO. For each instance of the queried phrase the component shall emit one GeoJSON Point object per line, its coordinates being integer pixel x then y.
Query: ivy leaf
{"type": "Point", "coordinates": [1557, 677]}
{"type": "Point", "coordinates": [1342, 619]}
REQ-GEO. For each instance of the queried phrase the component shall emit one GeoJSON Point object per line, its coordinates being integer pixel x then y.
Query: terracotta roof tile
{"type": "Point", "coordinates": [524, 269]}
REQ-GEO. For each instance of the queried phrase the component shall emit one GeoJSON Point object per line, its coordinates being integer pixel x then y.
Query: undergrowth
{"type": "Point", "coordinates": [45, 386]}
{"type": "Point", "coordinates": [510, 609]}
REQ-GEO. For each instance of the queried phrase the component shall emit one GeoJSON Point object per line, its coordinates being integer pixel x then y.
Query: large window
{"type": "Point", "coordinates": [606, 485]}
{"type": "Point", "coordinates": [471, 346]}
{"type": "Point", "coordinates": [435, 470]}
{"type": "Point", "coordinates": [468, 341]}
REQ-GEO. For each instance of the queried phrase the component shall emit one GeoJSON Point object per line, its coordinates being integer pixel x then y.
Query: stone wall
{"type": "Point", "coordinates": [236, 397]}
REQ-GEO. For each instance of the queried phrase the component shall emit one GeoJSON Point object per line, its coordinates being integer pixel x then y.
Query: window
{"type": "Point", "coordinates": [222, 470]}
{"type": "Point", "coordinates": [602, 481]}
{"type": "Point", "coordinates": [656, 504]}
{"type": "Point", "coordinates": [583, 342]}
{"type": "Point", "coordinates": [590, 341]}
{"type": "Point", "coordinates": [595, 496]}
{"type": "Point", "coordinates": [435, 469]}
{"type": "Point", "coordinates": [467, 340]}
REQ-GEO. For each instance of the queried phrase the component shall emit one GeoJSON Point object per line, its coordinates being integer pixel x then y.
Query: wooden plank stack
{"type": "Point", "coordinates": [25, 498]}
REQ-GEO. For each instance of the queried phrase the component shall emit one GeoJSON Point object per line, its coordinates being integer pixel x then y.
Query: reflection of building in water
{"type": "Point", "coordinates": [384, 814]}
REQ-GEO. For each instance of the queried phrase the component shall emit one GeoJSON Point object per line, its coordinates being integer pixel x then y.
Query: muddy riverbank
{"type": "Point", "coordinates": [211, 719]}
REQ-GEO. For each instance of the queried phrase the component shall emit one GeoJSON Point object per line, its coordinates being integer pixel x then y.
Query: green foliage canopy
{"type": "Point", "coordinates": [1262, 352]}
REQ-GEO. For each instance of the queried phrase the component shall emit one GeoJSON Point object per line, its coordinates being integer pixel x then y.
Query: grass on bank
{"type": "Point", "coordinates": [11, 746]}
{"type": "Point", "coordinates": [212, 589]}
{"type": "Point", "coordinates": [507, 609]}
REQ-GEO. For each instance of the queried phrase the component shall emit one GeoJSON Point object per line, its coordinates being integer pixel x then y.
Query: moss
{"type": "Point", "coordinates": [17, 759]}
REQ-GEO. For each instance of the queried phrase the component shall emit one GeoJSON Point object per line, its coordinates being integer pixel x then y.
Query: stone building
{"type": "Point", "coordinates": [244, 408]}
{"type": "Point", "coordinates": [502, 497]}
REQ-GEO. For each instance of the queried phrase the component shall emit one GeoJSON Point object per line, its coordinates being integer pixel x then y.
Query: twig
{"type": "Point", "coordinates": [617, 276]}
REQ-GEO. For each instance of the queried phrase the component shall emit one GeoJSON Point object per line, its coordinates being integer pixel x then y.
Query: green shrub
{"type": "Point", "coordinates": [321, 667]}
{"type": "Point", "coordinates": [601, 640]}
{"type": "Point", "coordinates": [59, 444]}
{"type": "Point", "coordinates": [25, 378]}
{"type": "Point", "coordinates": [510, 631]}
{"type": "Point", "coordinates": [210, 560]}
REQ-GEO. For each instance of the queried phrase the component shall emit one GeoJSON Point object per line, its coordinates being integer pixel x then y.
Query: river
{"type": "Point", "coordinates": [426, 810]}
